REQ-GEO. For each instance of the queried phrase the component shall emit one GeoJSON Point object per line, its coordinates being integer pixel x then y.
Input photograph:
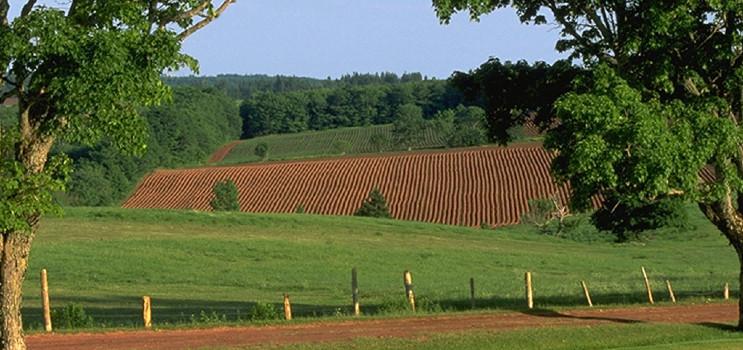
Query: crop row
{"type": "Point", "coordinates": [464, 187]}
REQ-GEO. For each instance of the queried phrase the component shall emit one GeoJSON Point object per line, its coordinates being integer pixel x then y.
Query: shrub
{"type": "Point", "coordinates": [341, 146]}
{"type": "Point", "coordinates": [264, 312]}
{"type": "Point", "coordinates": [540, 212]}
{"type": "Point", "coordinates": [261, 150]}
{"type": "Point", "coordinates": [374, 206]}
{"type": "Point", "coordinates": [225, 196]}
{"type": "Point", "coordinates": [299, 209]}
{"type": "Point", "coordinates": [71, 316]}
{"type": "Point", "coordinates": [379, 142]}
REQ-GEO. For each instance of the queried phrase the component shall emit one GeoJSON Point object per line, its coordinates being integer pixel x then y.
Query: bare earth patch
{"type": "Point", "coordinates": [401, 328]}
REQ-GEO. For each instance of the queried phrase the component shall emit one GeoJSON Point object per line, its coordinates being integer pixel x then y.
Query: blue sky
{"type": "Point", "coordinates": [321, 38]}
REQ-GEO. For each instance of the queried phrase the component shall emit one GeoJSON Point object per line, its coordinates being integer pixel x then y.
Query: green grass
{"type": "Point", "coordinates": [333, 142]}
{"type": "Point", "coordinates": [106, 259]}
{"type": "Point", "coordinates": [624, 337]}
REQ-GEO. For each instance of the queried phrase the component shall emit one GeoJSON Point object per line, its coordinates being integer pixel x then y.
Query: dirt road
{"type": "Point", "coordinates": [347, 330]}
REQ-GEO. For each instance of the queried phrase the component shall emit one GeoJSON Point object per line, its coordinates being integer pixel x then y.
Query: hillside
{"type": "Point", "coordinates": [313, 144]}
{"type": "Point", "coordinates": [105, 259]}
{"type": "Point", "coordinates": [459, 187]}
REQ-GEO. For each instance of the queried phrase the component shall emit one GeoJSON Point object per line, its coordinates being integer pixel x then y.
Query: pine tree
{"type": "Point", "coordinates": [225, 196]}
{"type": "Point", "coordinates": [374, 206]}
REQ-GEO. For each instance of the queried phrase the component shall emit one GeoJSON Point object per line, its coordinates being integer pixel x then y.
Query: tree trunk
{"type": "Point", "coordinates": [730, 222]}
{"type": "Point", "coordinates": [13, 264]}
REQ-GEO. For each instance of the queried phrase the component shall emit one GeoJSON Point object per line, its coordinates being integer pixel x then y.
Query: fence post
{"type": "Point", "coordinates": [472, 292]}
{"type": "Point", "coordinates": [726, 292]}
{"type": "Point", "coordinates": [670, 291]}
{"type": "Point", "coordinates": [647, 285]}
{"type": "Point", "coordinates": [287, 308]}
{"type": "Point", "coordinates": [147, 311]}
{"type": "Point", "coordinates": [355, 292]}
{"type": "Point", "coordinates": [529, 291]}
{"type": "Point", "coordinates": [585, 291]}
{"type": "Point", "coordinates": [45, 301]}
{"type": "Point", "coordinates": [409, 294]}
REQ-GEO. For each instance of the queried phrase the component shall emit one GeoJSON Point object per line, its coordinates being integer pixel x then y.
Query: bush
{"type": "Point", "coordinates": [374, 206]}
{"type": "Point", "coordinates": [540, 212]}
{"type": "Point", "coordinates": [261, 150]}
{"type": "Point", "coordinates": [299, 209]}
{"type": "Point", "coordinates": [225, 196]}
{"type": "Point", "coordinates": [71, 316]}
{"type": "Point", "coordinates": [264, 312]}
{"type": "Point", "coordinates": [628, 219]}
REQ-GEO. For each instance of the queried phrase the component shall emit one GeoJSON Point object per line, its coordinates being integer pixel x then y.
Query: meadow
{"type": "Point", "coordinates": [213, 267]}
{"type": "Point", "coordinates": [333, 142]}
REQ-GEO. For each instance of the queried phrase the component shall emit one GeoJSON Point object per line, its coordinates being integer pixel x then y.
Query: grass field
{"type": "Point", "coordinates": [106, 259]}
{"type": "Point", "coordinates": [624, 337]}
{"type": "Point", "coordinates": [333, 142]}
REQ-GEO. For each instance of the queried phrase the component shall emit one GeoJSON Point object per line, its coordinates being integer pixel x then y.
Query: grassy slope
{"type": "Point", "coordinates": [188, 261]}
{"type": "Point", "coordinates": [312, 144]}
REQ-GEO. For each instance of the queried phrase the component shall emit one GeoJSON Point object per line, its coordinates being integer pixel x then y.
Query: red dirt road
{"type": "Point", "coordinates": [348, 330]}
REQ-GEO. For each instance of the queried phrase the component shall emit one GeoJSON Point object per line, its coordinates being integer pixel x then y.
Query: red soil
{"type": "Point", "coordinates": [400, 328]}
{"type": "Point", "coordinates": [462, 187]}
{"type": "Point", "coordinates": [219, 155]}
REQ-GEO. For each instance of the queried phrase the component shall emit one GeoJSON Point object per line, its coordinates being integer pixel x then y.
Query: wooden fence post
{"type": "Point", "coordinates": [147, 311]}
{"type": "Point", "coordinates": [355, 292]}
{"type": "Point", "coordinates": [726, 292]}
{"type": "Point", "coordinates": [529, 291]}
{"type": "Point", "coordinates": [585, 291]}
{"type": "Point", "coordinates": [409, 294]}
{"type": "Point", "coordinates": [647, 285]}
{"type": "Point", "coordinates": [287, 308]}
{"type": "Point", "coordinates": [45, 302]}
{"type": "Point", "coordinates": [472, 292]}
{"type": "Point", "coordinates": [670, 292]}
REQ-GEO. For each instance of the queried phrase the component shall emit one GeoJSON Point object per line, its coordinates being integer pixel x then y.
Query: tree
{"type": "Point", "coordinates": [409, 126]}
{"type": "Point", "coordinates": [374, 205]}
{"type": "Point", "coordinates": [261, 150]}
{"type": "Point", "coordinates": [79, 73]}
{"type": "Point", "coordinates": [469, 127]}
{"type": "Point", "coordinates": [663, 105]}
{"type": "Point", "coordinates": [225, 196]}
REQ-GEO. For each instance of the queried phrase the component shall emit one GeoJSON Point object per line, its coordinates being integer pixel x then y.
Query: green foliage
{"type": "Point", "coordinates": [468, 128]}
{"type": "Point", "coordinates": [264, 312]}
{"type": "Point", "coordinates": [628, 220]}
{"type": "Point", "coordinates": [225, 196]}
{"type": "Point", "coordinates": [261, 150]}
{"type": "Point", "coordinates": [374, 206]}
{"type": "Point", "coordinates": [342, 106]}
{"type": "Point", "coordinates": [515, 93]}
{"type": "Point", "coordinates": [613, 141]}
{"type": "Point", "coordinates": [540, 212]}
{"type": "Point", "coordinates": [409, 126]}
{"type": "Point", "coordinates": [299, 209]}
{"type": "Point", "coordinates": [182, 133]}
{"type": "Point", "coordinates": [342, 146]}
{"type": "Point", "coordinates": [71, 316]}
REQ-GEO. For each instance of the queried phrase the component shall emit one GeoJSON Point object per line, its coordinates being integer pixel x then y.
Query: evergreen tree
{"type": "Point", "coordinates": [225, 196]}
{"type": "Point", "coordinates": [374, 206]}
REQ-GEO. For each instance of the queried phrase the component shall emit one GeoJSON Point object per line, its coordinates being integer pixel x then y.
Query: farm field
{"type": "Point", "coordinates": [324, 143]}
{"type": "Point", "coordinates": [106, 259]}
{"type": "Point", "coordinates": [468, 187]}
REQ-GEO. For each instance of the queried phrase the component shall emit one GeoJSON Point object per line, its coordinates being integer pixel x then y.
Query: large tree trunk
{"type": "Point", "coordinates": [730, 222]}
{"type": "Point", "coordinates": [15, 248]}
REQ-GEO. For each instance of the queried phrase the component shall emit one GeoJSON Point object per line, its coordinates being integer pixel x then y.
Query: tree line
{"type": "Point", "coordinates": [182, 133]}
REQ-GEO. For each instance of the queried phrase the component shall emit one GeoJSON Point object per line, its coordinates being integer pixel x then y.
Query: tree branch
{"type": "Point", "coordinates": [195, 11]}
{"type": "Point", "coordinates": [28, 7]}
{"type": "Point", "coordinates": [208, 19]}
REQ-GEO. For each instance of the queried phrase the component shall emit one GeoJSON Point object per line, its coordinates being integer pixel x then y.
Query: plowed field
{"type": "Point", "coordinates": [463, 187]}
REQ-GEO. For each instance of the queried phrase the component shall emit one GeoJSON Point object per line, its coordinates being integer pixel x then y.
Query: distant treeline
{"type": "Point", "coordinates": [183, 133]}
{"type": "Point", "coordinates": [242, 87]}
{"type": "Point", "coordinates": [344, 106]}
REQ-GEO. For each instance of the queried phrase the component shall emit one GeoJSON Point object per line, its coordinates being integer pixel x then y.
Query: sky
{"type": "Point", "coordinates": [329, 38]}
